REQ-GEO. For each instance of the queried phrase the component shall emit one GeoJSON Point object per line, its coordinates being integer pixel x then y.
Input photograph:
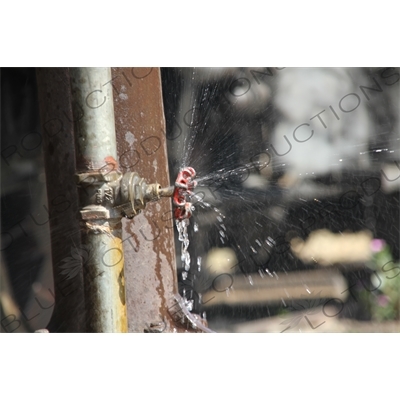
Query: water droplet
{"type": "Point", "coordinates": [189, 304]}
{"type": "Point", "coordinates": [250, 280]}
{"type": "Point", "coordinates": [269, 241]}
{"type": "Point", "coordinates": [199, 264]}
{"type": "Point", "coordinates": [187, 267]}
{"type": "Point", "coordinates": [196, 227]}
{"type": "Point", "coordinates": [269, 273]}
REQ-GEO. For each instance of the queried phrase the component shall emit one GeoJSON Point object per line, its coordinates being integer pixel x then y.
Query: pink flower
{"type": "Point", "coordinates": [377, 245]}
{"type": "Point", "coordinates": [383, 300]}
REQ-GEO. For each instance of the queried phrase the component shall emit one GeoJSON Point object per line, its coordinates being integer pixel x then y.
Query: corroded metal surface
{"type": "Point", "coordinates": [59, 153]}
{"type": "Point", "coordinates": [148, 239]}
{"type": "Point", "coordinates": [95, 144]}
{"type": "Point", "coordinates": [105, 282]}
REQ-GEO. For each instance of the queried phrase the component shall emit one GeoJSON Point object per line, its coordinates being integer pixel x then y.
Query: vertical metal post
{"type": "Point", "coordinates": [148, 238]}
{"type": "Point", "coordinates": [101, 230]}
{"type": "Point", "coordinates": [57, 122]}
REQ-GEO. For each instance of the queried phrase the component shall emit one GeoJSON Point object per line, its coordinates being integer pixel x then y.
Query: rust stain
{"type": "Point", "coordinates": [111, 161]}
{"type": "Point", "coordinates": [161, 289]}
{"type": "Point", "coordinates": [121, 282]}
{"type": "Point", "coordinates": [98, 228]}
{"type": "Point", "coordinates": [150, 270]}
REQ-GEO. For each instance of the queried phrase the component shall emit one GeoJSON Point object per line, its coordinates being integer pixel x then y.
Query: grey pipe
{"type": "Point", "coordinates": [94, 111]}
{"type": "Point", "coordinates": [96, 158]}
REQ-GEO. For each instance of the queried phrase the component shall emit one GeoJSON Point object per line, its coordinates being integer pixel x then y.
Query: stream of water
{"type": "Point", "coordinates": [278, 154]}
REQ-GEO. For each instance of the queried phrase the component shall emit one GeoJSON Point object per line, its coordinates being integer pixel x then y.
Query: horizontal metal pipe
{"type": "Point", "coordinates": [167, 191]}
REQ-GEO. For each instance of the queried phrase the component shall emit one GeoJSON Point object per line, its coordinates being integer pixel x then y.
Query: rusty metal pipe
{"type": "Point", "coordinates": [151, 280]}
{"type": "Point", "coordinates": [96, 157]}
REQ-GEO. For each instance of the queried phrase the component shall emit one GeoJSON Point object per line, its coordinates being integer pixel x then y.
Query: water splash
{"type": "Point", "coordinates": [194, 320]}
{"type": "Point", "coordinates": [183, 237]}
{"type": "Point", "coordinates": [218, 137]}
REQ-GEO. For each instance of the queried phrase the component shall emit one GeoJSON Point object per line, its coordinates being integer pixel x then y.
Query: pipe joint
{"type": "Point", "coordinates": [135, 193]}
{"type": "Point", "coordinates": [113, 195]}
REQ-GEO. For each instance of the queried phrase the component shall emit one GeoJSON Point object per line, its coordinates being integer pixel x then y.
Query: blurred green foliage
{"type": "Point", "coordinates": [385, 299]}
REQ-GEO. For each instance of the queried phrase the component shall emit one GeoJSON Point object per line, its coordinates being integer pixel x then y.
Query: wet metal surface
{"type": "Point", "coordinates": [148, 239]}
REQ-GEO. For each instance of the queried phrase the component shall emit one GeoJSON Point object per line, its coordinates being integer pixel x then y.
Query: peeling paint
{"type": "Point", "coordinates": [130, 138]}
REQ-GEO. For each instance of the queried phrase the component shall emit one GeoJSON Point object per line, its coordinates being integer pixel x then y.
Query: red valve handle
{"type": "Point", "coordinates": [184, 212]}
{"type": "Point", "coordinates": [184, 185]}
